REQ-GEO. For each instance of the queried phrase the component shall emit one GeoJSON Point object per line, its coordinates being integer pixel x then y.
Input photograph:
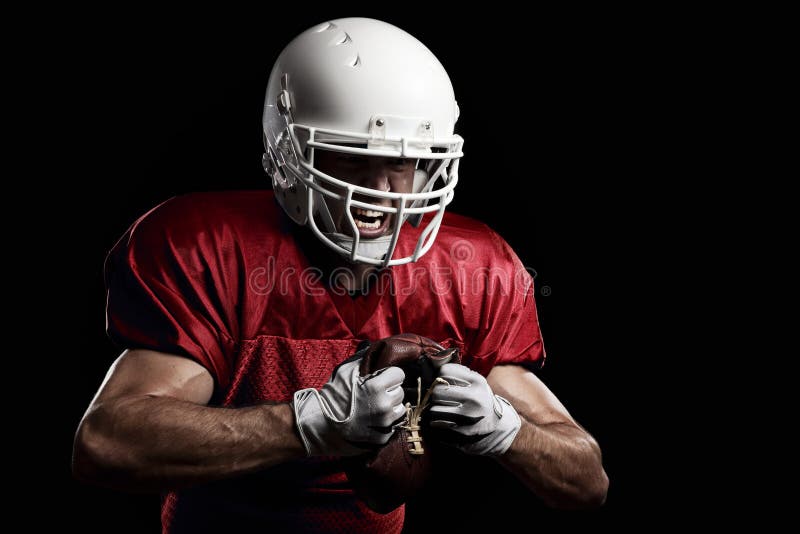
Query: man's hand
{"type": "Point", "coordinates": [351, 414]}
{"type": "Point", "coordinates": [470, 415]}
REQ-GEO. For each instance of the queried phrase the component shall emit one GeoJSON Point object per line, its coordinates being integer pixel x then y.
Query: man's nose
{"type": "Point", "coordinates": [376, 177]}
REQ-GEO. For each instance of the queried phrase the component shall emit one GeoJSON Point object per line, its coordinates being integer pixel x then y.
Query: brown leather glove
{"type": "Point", "coordinates": [390, 476]}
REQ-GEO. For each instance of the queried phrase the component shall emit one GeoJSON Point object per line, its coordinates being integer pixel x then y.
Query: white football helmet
{"type": "Point", "coordinates": [361, 86]}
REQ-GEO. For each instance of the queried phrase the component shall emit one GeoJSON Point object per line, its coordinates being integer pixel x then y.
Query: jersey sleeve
{"type": "Point", "coordinates": [509, 332]}
{"type": "Point", "coordinates": [169, 289]}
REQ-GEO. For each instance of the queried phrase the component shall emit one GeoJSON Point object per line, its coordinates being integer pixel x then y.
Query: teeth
{"type": "Point", "coordinates": [368, 213]}
{"type": "Point", "coordinates": [362, 224]}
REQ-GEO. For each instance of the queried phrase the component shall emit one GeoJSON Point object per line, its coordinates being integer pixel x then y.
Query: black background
{"type": "Point", "coordinates": [567, 120]}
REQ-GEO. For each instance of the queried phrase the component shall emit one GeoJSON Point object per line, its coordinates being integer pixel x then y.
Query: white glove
{"type": "Point", "coordinates": [475, 419]}
{"type": "Point", "coordinates": [351, 414]}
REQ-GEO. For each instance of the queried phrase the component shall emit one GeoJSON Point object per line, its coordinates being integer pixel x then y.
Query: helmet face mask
{"type": "Point", "coordinates": [320, 100]}
{"type": "Point", "coordinates": [373, 173]}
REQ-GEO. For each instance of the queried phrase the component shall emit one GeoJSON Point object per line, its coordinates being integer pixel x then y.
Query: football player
{"type": "Point", "coordinates": [239, 311]}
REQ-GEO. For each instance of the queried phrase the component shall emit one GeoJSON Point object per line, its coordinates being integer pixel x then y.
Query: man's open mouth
{"type": "Point", "coordinates": [368, 218]}
{"type": "Point", "coordinates": [370, 223]}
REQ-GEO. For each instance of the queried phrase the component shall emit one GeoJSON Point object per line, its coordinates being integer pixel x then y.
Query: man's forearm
{"type": "Point", "coordinates": [560, 463]}
{"type": "Point", "coordinates": [158, 443]}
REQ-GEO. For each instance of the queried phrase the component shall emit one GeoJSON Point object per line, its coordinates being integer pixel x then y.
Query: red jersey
{"type": "Point", "coordinates": [223, 279]}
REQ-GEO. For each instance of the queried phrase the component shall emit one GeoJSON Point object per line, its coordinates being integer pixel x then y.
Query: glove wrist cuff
{"type": "Point", "coordinates": [308, 416]}
{"type": "Point", "coordinates": [510, 423]}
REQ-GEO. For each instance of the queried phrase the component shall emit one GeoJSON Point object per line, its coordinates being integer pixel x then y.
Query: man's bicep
{"type": "Point", "coordinates": [141, 372]}
{"type": "Point", "coordinates": [529, 395]}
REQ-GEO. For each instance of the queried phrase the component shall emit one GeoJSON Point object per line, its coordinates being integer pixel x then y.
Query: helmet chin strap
{"type": "Point", "coordinates": [369, 248]}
